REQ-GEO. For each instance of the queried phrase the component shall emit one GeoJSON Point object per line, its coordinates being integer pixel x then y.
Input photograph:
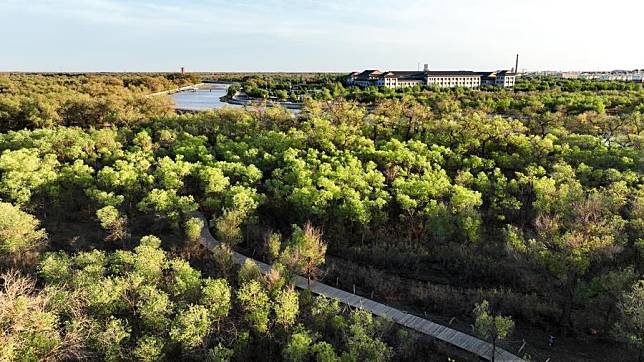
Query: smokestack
{"type": "Point", "coordinates": [183, 70]}
{"type": "Point", "coordinates": [516, 65]}
{"type": "Point", "coordinates": [426, 68]}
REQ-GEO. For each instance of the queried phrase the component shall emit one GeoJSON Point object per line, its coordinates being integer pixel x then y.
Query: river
{"type": "Point", "coordinates": [207, 98]}
{"type": "Point", "coordinates": [203, 99]}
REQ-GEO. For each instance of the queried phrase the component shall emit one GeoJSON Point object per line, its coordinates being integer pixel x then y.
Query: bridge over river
{"type": "Point", "coordinates": [205, 97]}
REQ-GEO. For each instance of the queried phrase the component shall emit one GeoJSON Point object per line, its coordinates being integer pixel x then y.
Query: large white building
{"type": "Point", "coordinates": [442, 79]}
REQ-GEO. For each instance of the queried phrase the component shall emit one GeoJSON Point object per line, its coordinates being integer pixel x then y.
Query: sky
{"type": "Point", "coordinates": [319, 35]}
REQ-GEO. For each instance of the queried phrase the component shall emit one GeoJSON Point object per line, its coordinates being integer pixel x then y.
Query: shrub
{"type": "Point", "coordinates": [256, 305]}
{"type": "Point", "coordinates": [112, 221]}
{"type": "Point", "coordinates": [18, 230]}
{"type": "Point", "coordinates": [228, 227]}
{"type": "Point", "coordinates": [193, 227]}
{"type": "Point", "coordinates": [191, 326]}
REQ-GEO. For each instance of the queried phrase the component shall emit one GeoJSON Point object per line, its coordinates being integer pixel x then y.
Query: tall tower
{"type": "Point", "coordinates": [183, 70]}
{"type": "Point", "coordinates": [516, 65]}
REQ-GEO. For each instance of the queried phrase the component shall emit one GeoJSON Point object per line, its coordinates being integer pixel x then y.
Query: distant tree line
{"type": "Point", "coordinates": [36, 101]}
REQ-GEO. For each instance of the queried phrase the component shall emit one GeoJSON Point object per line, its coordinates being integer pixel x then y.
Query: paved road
{"type": "Point", "coordinates": [443, 333]}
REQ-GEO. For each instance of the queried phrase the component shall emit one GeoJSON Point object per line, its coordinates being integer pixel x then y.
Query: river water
{"type": "Point", "coordinates": [203, 99]}
{"type": "Point", "coordinates": [206, 98]}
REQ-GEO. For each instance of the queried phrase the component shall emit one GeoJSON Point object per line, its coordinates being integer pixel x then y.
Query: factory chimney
{"type": "Point", "coordinates": [516, 65]}
{"type": "Point", "coordinates": [183, 70]}
{"type": "Point", "coordinates": [426, 67]}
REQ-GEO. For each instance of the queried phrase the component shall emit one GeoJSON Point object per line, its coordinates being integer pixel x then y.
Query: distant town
{"type": "Point", "coordinates": [636, 75]}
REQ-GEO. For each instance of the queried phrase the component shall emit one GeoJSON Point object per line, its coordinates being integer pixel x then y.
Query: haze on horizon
{"type": "Point", "coordinates": [319, 35]}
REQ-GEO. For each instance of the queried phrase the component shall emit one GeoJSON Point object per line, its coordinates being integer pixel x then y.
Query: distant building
{"type": "Point", "coordinates": [366, 78]}
{"type": "Point", "coordinates": [426, 77]}
{"type": "Point", "coordinates": [569, 75]}
{"type": "Point", "coordinates": [505, 79]}
{"type": "Point", "coordinates": [623, 75]}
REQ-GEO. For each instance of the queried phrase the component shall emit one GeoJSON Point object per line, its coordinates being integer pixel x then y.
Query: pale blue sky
{"type": "Point", "coordinates": [319, 35]}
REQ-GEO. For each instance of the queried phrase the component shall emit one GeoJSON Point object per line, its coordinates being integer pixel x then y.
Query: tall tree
{"type": "Point", "coordinates": [305, 252]}
{"type": "Point", "coordinates": [490, 326]}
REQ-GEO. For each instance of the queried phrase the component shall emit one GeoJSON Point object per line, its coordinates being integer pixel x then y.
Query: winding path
{"type": "Point", "coordinates": [459, 339]}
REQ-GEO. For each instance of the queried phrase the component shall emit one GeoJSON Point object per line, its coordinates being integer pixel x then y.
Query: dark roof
{"type": "Point", "coordinates": [411, 75]}
{"type": "Point", "coordinates": [369, 74]}
{"type": "Point", "coordinates": [431, 73]}
{"type": "Point", "coordinates": [452, 73]}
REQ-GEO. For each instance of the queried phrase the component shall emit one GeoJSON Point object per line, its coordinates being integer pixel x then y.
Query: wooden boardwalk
{"type": "Point", "coordinates": [459, 339]}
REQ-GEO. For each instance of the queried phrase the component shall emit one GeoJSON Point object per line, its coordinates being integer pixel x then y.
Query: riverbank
{"type": "Point", "coordinates": [177, 90]}
{"type": "Point", "coordinates": [261, 103]}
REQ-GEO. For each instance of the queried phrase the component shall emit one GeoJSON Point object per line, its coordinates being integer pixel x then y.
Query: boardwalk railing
{"type": "Point", "coordinates": [459, 339]}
